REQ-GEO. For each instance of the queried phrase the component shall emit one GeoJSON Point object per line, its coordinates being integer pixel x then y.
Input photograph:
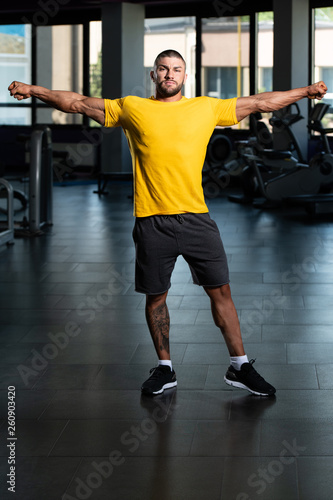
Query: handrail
{"type": "Point", "coordinates": [7, 236]}
{"type": "Point", "coordinates": [41, 182]}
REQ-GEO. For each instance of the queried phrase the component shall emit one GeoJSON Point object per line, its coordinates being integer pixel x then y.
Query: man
{"type": "Point", "coordinates": [168, 135]}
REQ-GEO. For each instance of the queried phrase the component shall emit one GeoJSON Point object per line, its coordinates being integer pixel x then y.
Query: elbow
{"type": "Point", "coordinates": [72, 107]}
{"type": "Point", "coordinates": [260, 106]}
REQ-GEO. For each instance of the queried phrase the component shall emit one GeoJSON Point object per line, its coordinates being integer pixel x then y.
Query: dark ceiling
{"type": "Point", "coordinates": [10, 11]}
{"type": "Point", "coordinates": [37, 5]}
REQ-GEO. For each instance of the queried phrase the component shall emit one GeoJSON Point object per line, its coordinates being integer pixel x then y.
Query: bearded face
{"type": "Point", "coordinates": [169, 77]}
{"type": "Point", "coordinates": [168, 88]}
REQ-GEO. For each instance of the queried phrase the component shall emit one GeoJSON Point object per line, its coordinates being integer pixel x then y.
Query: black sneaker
{"type": "Point", "coordinates": [248, 378]}
{"type": "Point", "coordinates": [161, 377]}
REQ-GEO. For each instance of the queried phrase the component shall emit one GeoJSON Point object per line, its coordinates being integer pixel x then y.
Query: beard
{"type": "Point", "coordinates": [165, 91]}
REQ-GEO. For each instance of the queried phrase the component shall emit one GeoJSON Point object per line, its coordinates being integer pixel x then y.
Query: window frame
{"type": "Point", "coordinates": [86, 17]}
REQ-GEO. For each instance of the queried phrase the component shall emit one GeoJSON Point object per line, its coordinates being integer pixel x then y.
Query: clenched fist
{"type": "Point", "coordinates": [317, 90]}
{"type": "Point", "coordinates": [20, 90]}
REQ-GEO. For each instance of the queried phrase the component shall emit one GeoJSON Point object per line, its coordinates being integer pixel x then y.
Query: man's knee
{"type": "Point", "coordinates": [225, 291]}
{"type": "Point", "coordinates": [156, 300]}
{"type": "Point", "coordinates": [219, 294]}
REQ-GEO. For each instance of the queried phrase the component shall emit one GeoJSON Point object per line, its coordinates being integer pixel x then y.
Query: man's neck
{"type": "Point", "coordinates": [173, 98]}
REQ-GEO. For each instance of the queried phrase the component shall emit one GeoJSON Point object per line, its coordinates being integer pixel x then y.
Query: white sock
{"type": "Point", "coordinates": [237, 361]}
{"type": "Point", "coordinates": [165, 362]}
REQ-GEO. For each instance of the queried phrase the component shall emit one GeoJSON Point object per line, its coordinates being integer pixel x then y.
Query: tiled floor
{"type": "Point", "coordinates": [74, 343]}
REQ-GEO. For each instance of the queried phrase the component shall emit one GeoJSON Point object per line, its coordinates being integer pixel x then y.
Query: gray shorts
{"type": "Point", "coordinates": [160, 239]}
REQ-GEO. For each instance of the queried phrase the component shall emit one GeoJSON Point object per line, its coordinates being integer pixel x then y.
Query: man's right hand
{"type": "Point", "coordinates": [64, 100]}
{"type": "Point", "coordinates": [20, 90]}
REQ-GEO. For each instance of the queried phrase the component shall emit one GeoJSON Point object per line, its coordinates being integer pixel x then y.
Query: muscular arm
{"type": "Point", "coordinates": [271, 101]}
{"type": "Point", "coordinates": [68, 102]}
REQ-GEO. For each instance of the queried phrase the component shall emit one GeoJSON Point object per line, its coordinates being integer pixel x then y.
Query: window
{"type": "Point", "coordinates": [221, 82]}
{"type": "Point", "coordinates": [265, 52]}
{"type": "Point", "coordinates": [15, 64]}
{"type": "Point", "coordinates": [59, 66]}
{"type": "Point", "coordinates": [323, 58]}
{"type": "Point", "coordinates": [225, 58]}
{"type": "Point", "coordinates": [95, 59]}
{"type": "Point", "coordinates": [265, 47]}
{"type": "Point", "coordinates": [176, 33]}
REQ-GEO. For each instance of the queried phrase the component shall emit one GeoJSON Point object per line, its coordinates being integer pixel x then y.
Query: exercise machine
{"type": "Point", "coordinates": [17, 193]}
{"type": "Point", "coordinates": [260, 181]}
{"type": "Point", "coordinates": [215, 177]}
{"type": "Point", "coordinates": [7, 231]}
{"type": "Point", "coordinates": [221, 163]}
{"type": "Point", "coordinates": [38, 201]}
{"type": "Point", "coordinates": [41, 179]}
{"type": "Point", "coordinates": [323, 159]}
{"type": "Point", "coordinates": [261, 141]}
{"type": "Point", "coordinates": [283, 137]}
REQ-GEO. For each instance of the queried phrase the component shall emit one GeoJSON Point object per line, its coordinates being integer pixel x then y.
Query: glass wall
{"type": "Point", "coordinates": [176, 33]}
{"type": "Point", "coordinates": [60, 66]}
{"type": "Point", "coordinates": [265, 46]}
{"type": "Point", "coordinates": [59, 60]}
{"type": "Point", "coordinates": [15, 64]}
{"type": "Point", "coordinates": [265, 53]}
{"type": "Point", "coordinates": [323, 56]}
{"type": "Point", "coordinates": [95, 58]}
{"type": "Point", "coordinates": [225, 57]}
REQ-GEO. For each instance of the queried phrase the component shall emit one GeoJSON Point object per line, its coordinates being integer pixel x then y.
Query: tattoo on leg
{"type": "Point", "coordinates": [159, 323]}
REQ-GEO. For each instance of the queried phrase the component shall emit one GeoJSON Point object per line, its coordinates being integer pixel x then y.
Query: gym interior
{"type": "Point", "coordinates": [74, 342]}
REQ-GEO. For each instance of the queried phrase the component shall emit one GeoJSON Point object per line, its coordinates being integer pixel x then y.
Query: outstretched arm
{"type": "Point", "coordinates": [271, 101]}
{"type": "Point", "coordinates": [68, 102]}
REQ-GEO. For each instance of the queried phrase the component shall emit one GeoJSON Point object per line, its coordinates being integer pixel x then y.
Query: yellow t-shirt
{"type": "Point", "coordinates": [168, 142]}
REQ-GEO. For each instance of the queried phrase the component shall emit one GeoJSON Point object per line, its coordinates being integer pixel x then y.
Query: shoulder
{"type": "Point", "coordinates": [120, 104]}
{"type": "Point", "coordinates": [114, 102]}
{"type": "Point", "coordinates": [213, 102]}
{"type": "Point", "coordinates": [130, 100]}
{"type": "Point", "coordinates": [217, 102]}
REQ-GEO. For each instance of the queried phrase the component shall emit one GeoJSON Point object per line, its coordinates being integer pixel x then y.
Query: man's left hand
{"type": "Point", "coordinates": [317, 90]}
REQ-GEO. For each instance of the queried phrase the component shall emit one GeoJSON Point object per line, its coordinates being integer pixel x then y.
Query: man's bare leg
{"type": "Point", "coordinates": [158, 320]}
{"type": "Point", "coordinates": [225, 317]}
{"type": "Point", "coordinates": [157, 315]}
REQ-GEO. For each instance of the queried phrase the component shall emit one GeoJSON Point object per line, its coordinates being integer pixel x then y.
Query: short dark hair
{"type": "Point", "coordinates": [169, 53]}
